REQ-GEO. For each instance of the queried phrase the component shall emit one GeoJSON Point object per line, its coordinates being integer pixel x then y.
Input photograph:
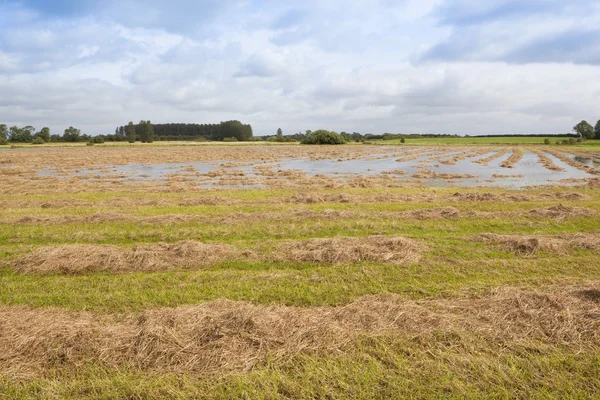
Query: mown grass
{"type": "Point", "coordinates": [381, 365]}
{"type": "Point", "coordinates": [372, 368]}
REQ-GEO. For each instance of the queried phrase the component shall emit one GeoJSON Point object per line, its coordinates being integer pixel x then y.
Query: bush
{"type": "Point", "coordinates": [547, 141]}
{"type": "Point", "coordinates": [99, 139]}
{"type": "Point", "coordinates": [38, 141]}
{"type": "Point", "coordinates": [89, 144]}
{"type": "Point", "coordinates": [230, 139]}
{"type": "Point", "coordinates": [3, 142]}
{"type": "Point", "coordinates": [403, 140]}
{"type": "Point", "coordinates": [324, 137]}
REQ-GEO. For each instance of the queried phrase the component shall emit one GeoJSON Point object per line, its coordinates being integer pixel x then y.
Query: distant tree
{"type": "Point", "coordinates": [121, 131]}
{"type": "Point", "coordinates": [149, 132]}
{"type": "Point", "coordinates": [279, 133]}
{"type": "Point", "coordinates": [597, 129]}
{"type": "Point", "coordinates": [324, 137]}
{"type": "Point", "coordinates": [402, 139]}
{"type": "Point", "coordinates": [584, 130]}
{"type": "Point", "coordinates": [4, 131]}
{"type": "Point", "coordinates": [130, 129]}
{"type": "Point", "coordinates": [44, 134]}
{"type": "Point", "coordinates": [236, 129]}
{"type": "Point", "coordinates": [22, 135]}
{"type": "Point", "coordinates": [142, 130]}
{"type": "Point", "coordinates": [72, 135]}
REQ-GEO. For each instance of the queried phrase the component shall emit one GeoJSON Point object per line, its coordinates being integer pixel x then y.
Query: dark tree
{"type": "Point", "coordinates": [72, 135]}
{"type": "Point", "coordinates": [584, 130]}
{"type": "Point", "coordinates": [3, 132]}
{"type": "Point", "coordinates": [597, 130]}
{"type": "Point", "coordinates": [44, 134]}
{"type": "Point", "coordinates": [130, 129]}
{"type": "Point", "coordinates": [22, 135]}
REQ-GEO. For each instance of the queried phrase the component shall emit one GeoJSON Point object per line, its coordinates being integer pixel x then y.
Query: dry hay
{"type": "Point", "coordinates": [547, 162]}
{"type": "Point", "coordinates": [561, 211]}
{"type": "Point", "coordinates": [392, 250]}
{"type": "Point", "coordinates": [428, 174]}
{"type": "Point", "coordinates": [432, 213]}
{"type": "Point", "coordinates": [310, 198]}
{"type": "Point", "coordinates": [504, 176]}
{"type": "Point", "coordinates": [487, 160]}
{"type": "Point", "coordinates": [531, 244]}
{"type": "Point", "coordinates": [514, 158]}
{"type": "Point", "coordinates": [224, 336]}
{"type": "Point", "coordinates": [574, 163]}
{"type": "Point", "coordinates": [82, 258]}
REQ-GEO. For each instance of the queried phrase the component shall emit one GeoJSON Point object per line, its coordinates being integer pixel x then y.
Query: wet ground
{"type": "Point", "coordinates": [527, 172]}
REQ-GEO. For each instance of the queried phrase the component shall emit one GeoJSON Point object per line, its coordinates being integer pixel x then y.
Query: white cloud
{"type": "Point", "coordinates": [301, 65]}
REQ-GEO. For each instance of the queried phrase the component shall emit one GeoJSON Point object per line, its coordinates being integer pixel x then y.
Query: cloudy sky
{"type": "Point", "coordinates": [440, 66]}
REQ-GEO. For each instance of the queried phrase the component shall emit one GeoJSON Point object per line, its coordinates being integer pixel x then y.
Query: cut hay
{"type": "Point", "coordinates": [84, 258]}
{"type": "Point", "coordinates": [392, 250]}
{"type": "Point", "coordinates": [561, 211]}
{"type": "Point", "coordinates": [514, 158]}
{"type": "Point", "coordinates": [224, 336]}
{"type": "Point", "coordinates": [433, 213]}
{"type": "Point", "coordinates": [531, 244]}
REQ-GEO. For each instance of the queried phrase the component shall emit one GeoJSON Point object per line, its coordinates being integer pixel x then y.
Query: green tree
{"type": "Point", "coordinates": [149, 132]}
{"type": "Point", "coordinates": [584, 130]}
{"type": "Point", "coordinates": [142, 130]}
{"type": "Point", "coordinates": [4, 132]}
{"type": "Point", "coordinates": [22, 135]}
{"type": "Point", "coordinates": [44, 134]}
{"type": "Point", "coordinates": [279, 134]}
{"type": "Point", "coordinates": [72, 134]}
{"type": "Point", "coordinates": [324, 137]}
{"type": "Point", "coordinates": [130, 130]}
{"type": "Point", "coordinates": [597, 129]}
{"type": "Point", "coordinates": [236, 129]}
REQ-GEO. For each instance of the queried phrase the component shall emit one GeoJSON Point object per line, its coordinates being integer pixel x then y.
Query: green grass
{"type": "Point", "coordinates": [474, 140]}
{"type": "Point", "coordinates": [374, 366]}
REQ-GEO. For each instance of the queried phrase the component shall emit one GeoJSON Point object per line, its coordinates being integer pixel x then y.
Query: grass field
{"type": "Point", "coordinates": [316, 289]}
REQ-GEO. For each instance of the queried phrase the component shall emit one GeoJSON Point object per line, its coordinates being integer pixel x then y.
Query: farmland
{"type": "Point", "coordinates": [287, 271]}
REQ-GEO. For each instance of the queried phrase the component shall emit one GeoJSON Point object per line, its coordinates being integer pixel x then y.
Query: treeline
{"type": "Point", "coordinates": [28, 134]}
{"type": "Point", "coordinates": [148, 132]}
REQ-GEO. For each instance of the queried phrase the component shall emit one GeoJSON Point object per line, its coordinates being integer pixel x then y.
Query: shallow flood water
{"type": "Point", "coordinates": [527, 172]}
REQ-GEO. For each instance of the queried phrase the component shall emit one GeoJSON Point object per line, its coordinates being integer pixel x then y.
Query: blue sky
{"type": "Point", "coordinates": [443, 66]}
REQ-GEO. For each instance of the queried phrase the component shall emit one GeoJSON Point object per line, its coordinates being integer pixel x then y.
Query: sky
{"type": "Point", "coordinates": [370, 66]}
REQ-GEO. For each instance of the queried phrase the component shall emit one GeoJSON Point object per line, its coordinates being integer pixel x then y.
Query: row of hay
{"type": "Point", "coordinates": [492, 157]}
{"type": "Point", "coordinates": [547, 162]}
{"type": "Point", "coordinates": [574, 163]}
{"type": "Point", "coordinates": [83, 258]}
{"type": "Point", "coordinates": [531, 244]}
{"type": "Point", "coordinates": [223, 336]}
{"type": "Point", "coordinates": [514, 158]}
{"type": "Point", "coordinates": [127, 203]}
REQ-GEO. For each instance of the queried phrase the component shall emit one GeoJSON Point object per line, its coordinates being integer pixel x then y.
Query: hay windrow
{"type": "Point", "coordinates": [514, 158]}
{"type": "Point", "coordinates": [84, 258]}
{"type": "Point", "coordinates": [531, 244]}
{"type": "Point", "coordinates": [492, 157]}
{"type": "Point", "coordinates": [224, 336]}
{"type": "Point", "coordinates": [562, 211]}
{"type": "Point", "coordinates": [392, 250]}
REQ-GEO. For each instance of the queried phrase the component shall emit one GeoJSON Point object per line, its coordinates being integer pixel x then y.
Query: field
{"type": "Point", "coordinates": [256, 271]}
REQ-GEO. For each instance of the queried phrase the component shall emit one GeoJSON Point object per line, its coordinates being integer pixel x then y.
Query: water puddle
{"type": "Point", "coordinates": [527, 172]}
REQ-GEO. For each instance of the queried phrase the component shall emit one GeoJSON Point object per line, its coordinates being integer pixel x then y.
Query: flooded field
{"type": "Point", "coordinates": [294, 165]}
{"type": "Point", "coordinates": [213, 268]}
